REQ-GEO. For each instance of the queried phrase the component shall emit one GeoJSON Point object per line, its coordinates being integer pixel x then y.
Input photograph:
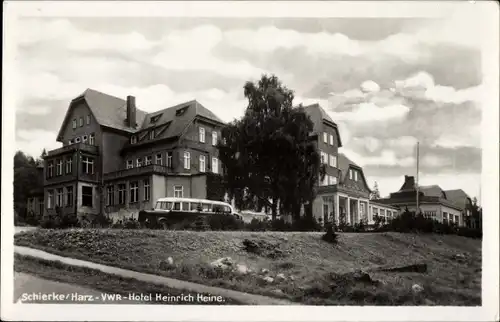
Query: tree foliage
{"type": "Point", "coordinates": [269, 157]}
{"type": "Point", "coordinates": [375, 194]}
{"type": "Point", "coordinates": [26, 181]}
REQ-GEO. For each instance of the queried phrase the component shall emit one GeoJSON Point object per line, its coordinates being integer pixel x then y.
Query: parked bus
{"type": "Point", "coordinates": [171, 211]}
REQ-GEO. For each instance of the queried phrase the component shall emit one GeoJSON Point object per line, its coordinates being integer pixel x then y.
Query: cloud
{"type": "Point", "coordinates": [370, 86]}
{"type": "Point", "coordinates": [34, 141]}
{"type": "Point", "coordinates": [369, 112]}
{"type": "Point", "coordinates": [384, 158]}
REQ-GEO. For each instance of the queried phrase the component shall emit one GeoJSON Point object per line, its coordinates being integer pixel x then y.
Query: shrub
{"type": "Point", "coordinates": [258, 225]}
{"type": "Point", "coordinates": [361, 226]}
{"type": "Point", "coordinates": [225, 222]}
{"type": "Point", "coordinates": [131, 223]}
{"type": "Point", "coordinates": [281, 225]}
{"type": "Point", "coordinates": [330, 236]}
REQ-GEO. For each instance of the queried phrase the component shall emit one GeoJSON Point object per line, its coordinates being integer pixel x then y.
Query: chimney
{"type": "Point", "coordinates": [409, 182]}
{"type": "Point", "coordinates": [131, 111]}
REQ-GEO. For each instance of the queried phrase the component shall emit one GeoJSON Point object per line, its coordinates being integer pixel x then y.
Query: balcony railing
{"type": "Point", "coordinates": [73, 147]}
{"type": "Point", "coordinates": [148, 169]}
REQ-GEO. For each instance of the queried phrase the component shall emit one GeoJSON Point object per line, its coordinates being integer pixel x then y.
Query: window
{"type": "Point", "coordinates": [202, 134]}
{"type": "Point", "coordinates": [382, 212]}
{"type": "Point", "coordinates": [138, 162]}
{"type": "Point", "coordinates": [332, 180]}
{"type": "Point", "coordinates": [325, 180]}
{"type": "Point", "coordinates": [214, 138]}
{"type": "Point", "coordinates": [185, 206]}
{"type": "Point", "coordinates": [87, 196]}
{"type": "Point", "coordinates": [155, 118]}
{"type": "Point", "coordinates": [92, 139]}
{"type": "Point", "coordinates": [351, 174]}
{"type": "Point", "coordinates": [147, 189]}
{"type": "Point", "coordinates": [50, 169]}
{"type": "Point", "coordinates": [84, 139]}
{"type": "Point", "coordinates": [202, 163]}
{"type": "Point", "coordinates": [133, 139]}
{"type": "Point", "coordinates": [178, 191]}
{"type": "Point", "coordinates": [457, 220]}
{"type": "Point", "coordinates": [81, 121]}
{"type": "Point", "coordinates": [77, 140]}
{"type": "Point", "coordinates": [69, 196]}
{"type": "Point", "coordinates": [88, 119]}
{"type": "Point", "coordinates": [121, 193]}
{"type": "Point", "coordinates": [325, 137]}
{"type": "Point", "coordinates": [187, 160]}
{"type": "Point", "coordinates": [59, 197]}
{"type": "Point", "coordinates": [74, 123]}
{"type": "Point", "coordinates": [69, 165]}
{"type": "Point", "coordinates": [152, 134]}
{"type": "Point", "coordinates": [176, 206]}
{"type": "Point", "coordinates": [355, 175]}
{"type": "Point", "coordinates": [331, 139]}
{"type": "Point", "coordinates": [169, 160]}
{"type": "Point", "coordinates": [445, 217]}
{"type": "Point", "coordinates": [159, 159]}
{"type": "Point", "coordinates": [324, 158]}
{"type": "Point", "coordinates": [70, 142]}
{"type": "Point", "coordinates": [130, 164]}
{"type": "Point", "coordinates": [333, 161]}
{"type": "Point", "coordinates": [215, 165]}
{"type": "Point", "coordinates": [110, 200]}
{"type": "Point", "coordinates": [59, 167]}
{"type": "Point", "coordinates": [134, 191]}
{"type": "Point", "coordinates": [149, 160]}
{"type": "Point", "coordinates": [50, 199]}
{"type": "Point", "coordinates": [87, 165]}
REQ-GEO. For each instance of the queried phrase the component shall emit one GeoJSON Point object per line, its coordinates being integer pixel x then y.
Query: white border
{"type": "Point", "coordinates": [488, 14]}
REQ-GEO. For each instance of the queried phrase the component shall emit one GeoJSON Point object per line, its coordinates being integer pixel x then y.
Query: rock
{"type": "Point", "coordinates": [459, 257]}
{"type": "Point", "coordinates": [416, 288]}
{"type": "Point", "coordinates": [414, 268]}
{"type": "Point", "coordinates": [292, 278]}
{"type": "Point", "coordinates": [268, 279]}
{"type": "Point", "coordinates": [278, 292]}
{"type": "Point", "coordinates": [429, 302]}
{"type": "Point", "coordinates": [170, 261]}
{"type": "Point", "coordinates": [224, 263]}
{"type": "Point", "coordinates": [242, 269]}
{"type": "Point", "coordinates": [264, 271]}
{"type": "Point", "coordinates": [166, 265]}
{"type": "Point", "coordinates": [361, 276]}
{"type": "Point", "coordinates": [281, 277]}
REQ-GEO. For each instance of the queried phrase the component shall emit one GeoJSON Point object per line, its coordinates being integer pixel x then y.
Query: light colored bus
{"type": "Point", "coordinates": [171, 208]}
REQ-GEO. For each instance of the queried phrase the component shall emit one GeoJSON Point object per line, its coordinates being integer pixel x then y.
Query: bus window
{"type": "Point", "coordinates": [177, 206]}
{"type": "Point", "coordinates": [195, 206]}
{"type": "Point", "coordinates": [185, 206]}
{"type": "Point", "coordinates": [217, 209]}
{"type": "Point", "coordinates": [167, 205]}
{"type": "Point", "coordinates": [227, 210]}
{"type": "Point", "coordinates": [207, 207]}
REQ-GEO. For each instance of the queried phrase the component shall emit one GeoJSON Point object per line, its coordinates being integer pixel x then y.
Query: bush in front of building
{"type": "Point", "coordinates": [330, 235]}
{"type": "Point", "coordinates": [225, 222]}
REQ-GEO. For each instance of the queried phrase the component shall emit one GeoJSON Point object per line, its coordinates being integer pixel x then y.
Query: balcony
{"type": "Point", "coordinates": [92, 149]}
{"type": "Point", "coordinates": [144, 170]}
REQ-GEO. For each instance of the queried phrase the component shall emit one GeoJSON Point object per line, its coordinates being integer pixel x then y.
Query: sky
{"type": "Point", "coordinates": [386, 82]}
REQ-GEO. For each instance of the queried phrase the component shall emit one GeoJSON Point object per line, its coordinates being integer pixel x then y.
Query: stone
{"type": "Point", "coordinates": [281, 277]}
{"type": "Point", "coordinates": [223, 263]}
{"type": "Point", "coordinates": [361, 276]}
{"type": "Point", "coordinates": [278, 292]}
{"type": "Point", "coordinates": [292, 278]}
{"type": "Point", "coordinates": [459, 257]}
{"type": "Point", "coordinates": [429, 302]}
{"type": "Point", "coordinates": [264, 271]}
{"type": "Point", "coordinates": [166, 265]}
{"type": "Point", "coordinates": [268, 279]}
{"type": "Point", "coordinates": [170, 261]}
{"type": "Point", "coordinates": [242, 269]}
{"type": "Point", "coordinates": [417, 288]}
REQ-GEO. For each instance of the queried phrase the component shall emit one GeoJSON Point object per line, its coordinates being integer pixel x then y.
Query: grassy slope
{"type": "Point", "coordinates": [310, 260]}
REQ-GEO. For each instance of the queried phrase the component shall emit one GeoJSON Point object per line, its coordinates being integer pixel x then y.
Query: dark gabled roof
{"type": "Point", "coordinates": [344, 163]}
{"type": "Point", "coordinates": [178, 117]}
{"type": "Point", "coordinates": [108, 111]}
{"type": "Point", "coordinates": [458, 197]}
{"type": "Point", "coordinates": [432, 191]}
{"type": "Point", "coordinates": [318, 115]}
{"type": "Point", "coordinates": [111, 111]}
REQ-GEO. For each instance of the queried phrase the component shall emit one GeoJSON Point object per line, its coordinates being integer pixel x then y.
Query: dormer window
{"type": "Point", "coordinates": [181, 111]}
{"type": "Point", "coordinates": [133, 139]}
{"type": "Point", "coordinates": [81, 121]}
{"type": "Point", "coordinates": [202, 134]}
{"type": "Point", "coordinates": [152, 134]}
{"type": "Point", "coordinates": [88, 119]}
{"type": "Point", "coordinates": [331, 139]}
{"type": "Point", "coordinates": [74, 124]}
{"type": "Point", "coordinates": [70, 142]}
{"type": "Point", "coordinates": [84, 139]}
{"type": "Point", "coordinates": [355, 175]}
{"type": "Point", "coordinates": [77, 140]}
{"type": "Point", "coordinates": [351, 175]}
{"type": "Point", "coordinates": [155, 118]}
{"type": "Point", "coordinates": [325, 137]}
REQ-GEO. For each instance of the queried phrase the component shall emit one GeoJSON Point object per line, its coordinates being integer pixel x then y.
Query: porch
{"type": "Point", "coordinates": [338, 207]}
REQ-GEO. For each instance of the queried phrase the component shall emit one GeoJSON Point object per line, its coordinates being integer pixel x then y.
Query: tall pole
{"type": "Point", "coordinates": [416, 183]}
